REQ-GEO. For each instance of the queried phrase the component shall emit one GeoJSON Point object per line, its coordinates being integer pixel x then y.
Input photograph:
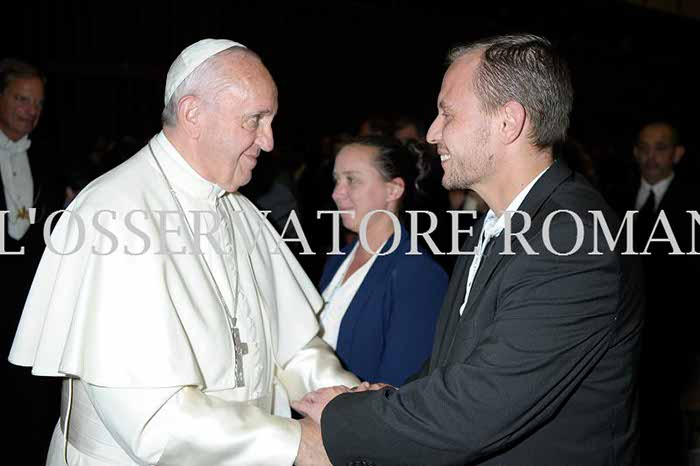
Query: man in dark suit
{"type": "Point", "coordinates": [670, 337]}
{"type": "Point", "coordinates": [26, 197]}
{"type": "Point", "coordinates": [536, 351]}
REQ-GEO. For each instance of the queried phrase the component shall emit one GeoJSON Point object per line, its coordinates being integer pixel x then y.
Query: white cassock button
{"type": "Point", "coordinates": [256, 344]}
{"type": "Point", "coordinates": [229, 248]}
{"type": "Point", "coordinates": [250, 320]}
{"type": "Point", "coordinates": [258, 369]}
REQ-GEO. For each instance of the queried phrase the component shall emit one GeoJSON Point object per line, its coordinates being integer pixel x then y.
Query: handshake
{"type": "Point", "coordinates": [311, 450]}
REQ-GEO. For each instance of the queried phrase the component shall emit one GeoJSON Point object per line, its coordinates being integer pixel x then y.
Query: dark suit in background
{"type": "Point", "coordinates": [541, 368]}
{"type": "Point", "coordinates": [35, 400]}
{"type": "Point", "coordinates": [670, 338]}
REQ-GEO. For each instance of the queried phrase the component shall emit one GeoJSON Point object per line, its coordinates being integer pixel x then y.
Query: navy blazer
{"type": "Point", "coordinates": [387, 331]}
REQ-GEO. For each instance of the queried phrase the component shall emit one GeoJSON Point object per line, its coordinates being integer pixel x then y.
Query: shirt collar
{"type": "Point", "coordinates": [9, 147]}
{"type": "Point", "coordinates": [659, 188]}
{"type": "Point", "coordinates": [493, 226]}
{"type": "Point", "coordinates": [181, 173]}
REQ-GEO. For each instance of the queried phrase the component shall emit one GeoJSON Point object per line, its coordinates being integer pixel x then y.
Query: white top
{"type": "Point", "coordinates": [17, 183]}
{"type": "Point", "coordinates": [659, 189]}
{"type": "Point", "coordinates": [147, 338]}
{"type": "Point", "coordinates": [493, 226]}
{"type": "Point", "coordinates": [338, 296]}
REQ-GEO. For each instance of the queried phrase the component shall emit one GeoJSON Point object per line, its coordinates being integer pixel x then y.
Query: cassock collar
{"type": "Point", "coordinates": [181, 174]}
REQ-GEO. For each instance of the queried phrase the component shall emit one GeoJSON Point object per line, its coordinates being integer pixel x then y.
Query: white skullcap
{"type": "Point", "coordinates": [190, 58]}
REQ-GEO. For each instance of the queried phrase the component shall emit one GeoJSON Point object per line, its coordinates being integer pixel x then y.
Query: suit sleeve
{"type": "Point", "coordinates": [416, 293]}
{"type": "Point", "coordinates": [552, 324]}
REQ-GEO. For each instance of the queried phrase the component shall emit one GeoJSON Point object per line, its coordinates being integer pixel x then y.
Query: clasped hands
{"type": "Point", "coordinates": [311, 450]}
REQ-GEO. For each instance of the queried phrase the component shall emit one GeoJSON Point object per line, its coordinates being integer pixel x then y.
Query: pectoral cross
{"type": "Point", "coordinates": [239, 350]}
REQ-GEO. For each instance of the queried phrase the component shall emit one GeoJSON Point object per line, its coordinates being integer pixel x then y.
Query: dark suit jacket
{"type": "Point", "coordinates": [387, 331]}
{"type": "Point", "coordinates": [680, 197]}
{"type": "Point", "coordinates": [539, 371]}
{"type": "Point", "coordinates": [36, 400]}
{"type": "Point", "coordinates": [20, 268]}
{"type": "Point", "coordinates": [670, 279]}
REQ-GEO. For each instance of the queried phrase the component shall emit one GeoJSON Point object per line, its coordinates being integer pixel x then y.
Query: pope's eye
{"type": "Point", "coordinates": [252, 123]}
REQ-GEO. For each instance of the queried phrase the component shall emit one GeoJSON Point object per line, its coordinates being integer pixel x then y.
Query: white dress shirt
{"type": "Point", "coordinates": [17, 183]}
{"type": "Point", "coordinates": [659, 189]}
{"type": "Point", "coordinates": [493, 226]}
{"type": "Point", "coordinates": [339, 295]}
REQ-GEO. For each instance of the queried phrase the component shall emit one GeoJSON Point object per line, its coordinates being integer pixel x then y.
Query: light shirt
{"type": "Point", "coordinates": [339, 295]}
{"type": "Point", "coordinates": [493, 226]}
{"type": "Point", "coordinates": [659, 189]}
{"type": "Point", "coordinates": [17, 183]}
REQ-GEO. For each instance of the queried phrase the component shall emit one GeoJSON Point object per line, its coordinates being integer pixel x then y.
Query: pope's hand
{"type": "Point", "coordinates": [313, 403]}
{"type": "Point", "coordinates": [311, 450]}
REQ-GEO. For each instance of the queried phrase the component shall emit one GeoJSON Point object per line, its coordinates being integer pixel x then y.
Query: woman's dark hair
{"type": "Point", "coordinates": [396, 160]}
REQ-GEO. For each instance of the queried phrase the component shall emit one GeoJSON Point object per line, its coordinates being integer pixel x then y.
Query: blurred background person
{"type": "Point", "coordinates": [380, 310]}
{"type": "Point", "coordinates": [669, 341]}
{"type": "Point", "coordinates": [27, 196]}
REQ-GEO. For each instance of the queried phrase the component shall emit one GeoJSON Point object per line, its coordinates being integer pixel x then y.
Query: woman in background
{"type": "Point", "coordinates": [380, 310]}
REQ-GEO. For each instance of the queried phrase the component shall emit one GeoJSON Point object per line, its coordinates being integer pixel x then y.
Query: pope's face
{"type": "Point", "coordinates": [238, 125]}
{"type": "Point", "coordinates": [20, 107]}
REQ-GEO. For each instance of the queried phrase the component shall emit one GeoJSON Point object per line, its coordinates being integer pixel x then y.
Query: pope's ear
{"type": "Point", "coordinates": [189, 115]}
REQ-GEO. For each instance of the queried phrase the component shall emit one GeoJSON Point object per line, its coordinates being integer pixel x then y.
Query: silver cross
{"type": "Point", "coordinates": [240, 349]}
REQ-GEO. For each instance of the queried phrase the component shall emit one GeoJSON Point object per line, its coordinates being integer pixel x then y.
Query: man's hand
{"type": "Point", "coordinates": [366, 386]}
{"type": "Point", "coordinates": [311, 451]}
{"type": "Point", "coordinates": [313, 403]}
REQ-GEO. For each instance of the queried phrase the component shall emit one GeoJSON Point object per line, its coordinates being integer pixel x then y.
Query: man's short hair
{"type": "Point", "coordinates": [11, 69]}
{"type": "Point", "coordinates": [675, 134]}
{"type": "Point", "coordinates": [524, 68]}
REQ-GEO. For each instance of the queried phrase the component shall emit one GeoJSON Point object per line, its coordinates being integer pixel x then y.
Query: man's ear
{"type": "Point", "coordinates": [189, 115]}
{"type": "Point", "coordinates": [395, 189]}
{"type": "Point", "coordinates": [678, 153]}
{"type": "Point", "coordinates": [512, 122]}
{"type": "Point", "coordinates": [635, 151]}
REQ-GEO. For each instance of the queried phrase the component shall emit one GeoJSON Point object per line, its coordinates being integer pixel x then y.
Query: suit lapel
{"type": "Point", "coordinates": [377, 277]}
{"type": "Point", "coordinates": [449, 315]}
{"type": "Point", "coordinates": [540, 192]}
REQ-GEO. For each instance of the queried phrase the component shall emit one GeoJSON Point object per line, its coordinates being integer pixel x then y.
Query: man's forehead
{"type": "Point", "coordinates": [26, 84]}
{"type": "Point", "coordinates": [656, 132]}
{"type": "Point", "coordinates": [458, 76]}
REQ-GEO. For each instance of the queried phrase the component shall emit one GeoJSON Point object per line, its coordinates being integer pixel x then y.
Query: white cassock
{"type": "Point", "coordinates": [143, 338]}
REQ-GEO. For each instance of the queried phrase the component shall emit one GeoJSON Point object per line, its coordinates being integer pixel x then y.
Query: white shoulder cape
{"type": "Point", "coordinates": [150, 320]}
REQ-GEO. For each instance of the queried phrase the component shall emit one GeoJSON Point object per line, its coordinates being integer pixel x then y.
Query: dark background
{"type": "Point", "coordinates": [336, 62]}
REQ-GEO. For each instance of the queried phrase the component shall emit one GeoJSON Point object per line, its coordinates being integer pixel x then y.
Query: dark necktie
{"type": "Point", "coordinates": [645, 220]}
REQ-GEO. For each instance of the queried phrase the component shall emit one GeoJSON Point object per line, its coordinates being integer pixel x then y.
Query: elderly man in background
{"type": "Point", "coordinates": [26, 195]}
{"type": "Point", "coordinates": [175, 350]}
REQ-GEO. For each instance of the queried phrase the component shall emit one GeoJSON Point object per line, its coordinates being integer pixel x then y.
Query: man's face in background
{"type": "Point", "coordinates": [20, 107]}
